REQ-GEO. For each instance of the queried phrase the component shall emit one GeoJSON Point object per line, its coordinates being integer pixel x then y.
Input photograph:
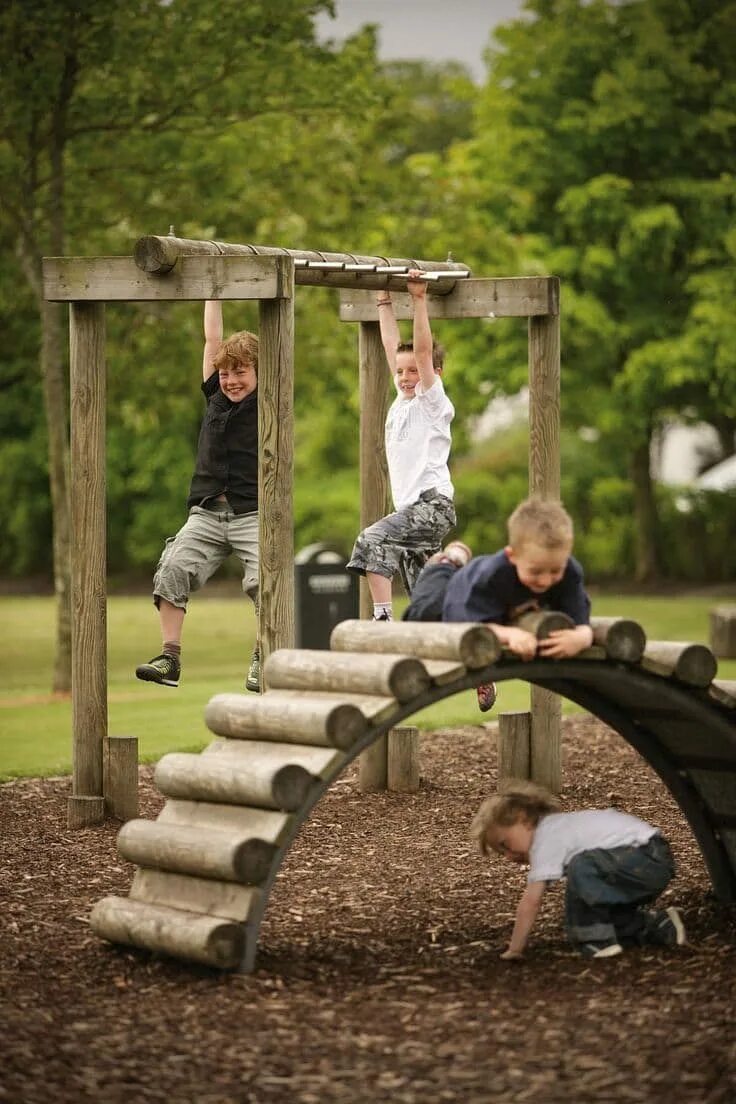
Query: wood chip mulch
{"type": "Point", "coordinates": [378, 976]}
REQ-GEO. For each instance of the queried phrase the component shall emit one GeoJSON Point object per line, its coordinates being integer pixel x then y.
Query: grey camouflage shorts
{"type": "Point", "coordinates": [402, 542]}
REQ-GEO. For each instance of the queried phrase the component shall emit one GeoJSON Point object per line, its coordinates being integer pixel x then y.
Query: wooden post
{"type": "Point", "coordinates": [88, 542]}
{"type": "Point", "coordinates": [374, 384]}
{"type": "Point", "coordinates": [120, 777]}
{"type": "Point", "coordinates": [544, 480]}
{"type": "Point", "coordinates": [276, 465]}
{"type": "Point", "coordinates": [403, 759]}
{"type": "Point", "coordinates": [723, 632]}
{"type": "Point", "coordinates": [514, 746]}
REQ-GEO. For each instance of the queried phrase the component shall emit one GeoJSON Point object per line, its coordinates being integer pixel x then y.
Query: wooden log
{"type": "Point", "coordinates": [723, 632]}
{"type": "Point", "coordinates": [269, 776]}
{"type": "Point", "coordinates": [473, 645]}
{"type": "Point", "coordinates": [228, 900]}
{"type": "Point", "coordinates": [373, 767]}
{"type": "Point", "coordinates": [88, 543]}
{"type": "Point", "coordinates": [276, 467]}
{"type": "Point", "coordinates": [509, 297]}
{"type": "Point", "coordinates": [693, 664]}
{"type": "Point", "coordinates": [622, 639]}
{"type": "Point", "coordinates": [724, 692]}
{"type": "Point", "coordinates": [397, 676]}
{"type": "Point", "coordinates": [85, 810]}
{"type": "Point", "coordinates": [287, 716]}
{"type": "Point", "coordinates": [263, 824]}
{"type": "Point", "coordinates": [514, 745]}
{"type": "Point", "coordinates": [546, 754]}
{"type": "Point", "coordinates": [403, 759]}
{"type": "Point", "coordinates": [157, 254]}
{"type": "Point", "coordinates": [120, 777]}
{"type": "Point", "coordinates": [541, 623]}
{"type": "Point", "coordinates": [442, 671]}
{"type": "Point", "coordinates": [185, 849]}
{"type": "Point", "coordinates": [205, 939]}
{"type": "Point", "coordinates": [117, 279]}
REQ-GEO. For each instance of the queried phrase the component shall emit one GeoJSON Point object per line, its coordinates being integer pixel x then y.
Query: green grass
{"type": "Point", "coordinates": [35, 729]}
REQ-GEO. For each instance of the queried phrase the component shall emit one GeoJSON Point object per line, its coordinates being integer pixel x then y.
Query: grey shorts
{"type": "Point", "coordinates": [202, 544]}
{"type": "Point", "coordinates": [401, 543]}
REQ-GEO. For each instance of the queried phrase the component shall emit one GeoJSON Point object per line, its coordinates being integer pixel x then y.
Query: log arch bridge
{"type": "Point", "coordinates": [207, 864]}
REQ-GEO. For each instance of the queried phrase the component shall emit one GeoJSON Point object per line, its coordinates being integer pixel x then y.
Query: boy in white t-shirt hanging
{"type": "Point", "coordinates": [614, 863]}
{"type": "Point", "coordinates": [417, 449]}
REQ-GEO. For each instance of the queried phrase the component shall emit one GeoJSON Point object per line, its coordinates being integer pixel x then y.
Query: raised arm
{"type": "Point", "coordinates": [422, 332]}
{"type": "Point", "coordinates": [389, 328]}
{"type": "Point", "coordinates": [212, 335]}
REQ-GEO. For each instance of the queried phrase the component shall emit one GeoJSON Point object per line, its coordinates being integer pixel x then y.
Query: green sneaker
{"type": "Point", "coordinates": [164, 669]}
{"type": "Point", "coordinates": [253, 678]}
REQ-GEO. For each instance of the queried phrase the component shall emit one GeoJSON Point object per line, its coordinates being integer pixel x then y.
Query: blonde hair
{"type": "Point", "coordinates": [516, 800]}
{"type": "Point", "coordinates": [239, 348]}
{"type": "Point", "coordinates": [537, 521]}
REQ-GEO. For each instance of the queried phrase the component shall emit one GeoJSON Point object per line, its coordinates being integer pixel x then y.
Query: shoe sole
{"type": "Point", "coordinates": [486, 708]}
{"type": "Point", "coordinates": [609, 952]}
{"type": "Point", "coordinates": [676, 919]}
{"type": "Point", "coordinates": [147, 676]}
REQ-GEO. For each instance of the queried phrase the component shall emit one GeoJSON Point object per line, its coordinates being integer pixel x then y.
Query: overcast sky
{"type": "Point", "coordinates": [437, 30]}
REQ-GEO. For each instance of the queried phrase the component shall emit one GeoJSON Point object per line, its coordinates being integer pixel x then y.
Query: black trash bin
{"type": "Point", "coordinates": [325, 594]}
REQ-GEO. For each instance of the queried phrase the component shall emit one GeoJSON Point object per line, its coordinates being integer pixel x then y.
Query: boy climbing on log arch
{"type": "Point", "coordinates": [223, 496]}
{"type": "Point", "coordinates": [614, 864]}
{"type": "Point", "coordinates": [418, 442]}
{"type": "Point", "coordinates": [536, 570]}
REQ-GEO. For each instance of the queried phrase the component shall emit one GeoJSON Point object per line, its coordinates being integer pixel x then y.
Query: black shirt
{"type": "Point", "coordinates": [227, 452]}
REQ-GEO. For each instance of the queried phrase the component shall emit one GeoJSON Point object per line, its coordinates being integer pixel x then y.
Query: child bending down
{"type": "Point", "coordinates": [614, 863]}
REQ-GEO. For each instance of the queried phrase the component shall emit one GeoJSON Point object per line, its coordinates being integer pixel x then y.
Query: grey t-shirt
{"type": "Point", "coordinates": [558, 837]}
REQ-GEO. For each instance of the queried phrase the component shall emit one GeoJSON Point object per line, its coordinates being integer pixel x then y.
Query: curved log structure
{"type": "Point", "coordinates": [207, 864]}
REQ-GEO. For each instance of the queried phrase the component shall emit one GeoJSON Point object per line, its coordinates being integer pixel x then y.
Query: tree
{"type": "Point", "coordinates": [97, 102]}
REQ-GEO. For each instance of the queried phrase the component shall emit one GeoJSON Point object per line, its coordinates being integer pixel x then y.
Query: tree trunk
{"type": "Point", "coordinates": [646, 567]}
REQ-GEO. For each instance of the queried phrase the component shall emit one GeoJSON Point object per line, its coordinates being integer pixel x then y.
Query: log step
{"type": "Point", "coordinates": [226, 900]}
{"type": "Point", "coordinates": [473, 645]}
{"type": "Point", "coordinates": [624, 640]}
{"type": "Point", "coordinates": [397, 676]}
{"type": "Point", "coordinates": [300, 717]}
{"type": "Point", "coordinates": [693, 664]}
{"type": "Point", "coordinates": [205, 853]}
{"type": "Point", "coordinates": [191, 936]}
{"type": "Point", "coordinates": [267, 775]}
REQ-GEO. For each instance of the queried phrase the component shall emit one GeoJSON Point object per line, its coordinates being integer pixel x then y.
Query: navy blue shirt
{"type": "Point", "coordinates": [227, 452]}
{"type": "Point", "coordinates": [488, 589]}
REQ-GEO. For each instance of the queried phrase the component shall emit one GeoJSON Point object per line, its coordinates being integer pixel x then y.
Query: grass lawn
{"type": "Point", "coordinates": [35, 728]}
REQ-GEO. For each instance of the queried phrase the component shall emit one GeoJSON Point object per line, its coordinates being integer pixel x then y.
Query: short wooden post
{"type": "Point", "coordinates": [514, 745]}
{"type": "Point", "coordinates": [403, 759]}
{"type": "Point", "coordinates": [723, 632]}
{"type": "Point", "coordinates": [120, 777]}
{"type": "Point", "coordinates": [374, 380]}
{"type": "Point", "coordinates": [89, 560]}
{"type": "Point", "coordinates": [276, 465]}
{"type": "Point", "coordinates": [544, 480]}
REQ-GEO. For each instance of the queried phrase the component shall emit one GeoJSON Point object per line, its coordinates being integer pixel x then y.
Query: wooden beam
{"type": "Point", "coordinates": [158, 254]}
{"type": "Point", "coordinates": [276, 464]}
{"type": "Point", "coordinates": [88, 533]}
{"type": "Point", "coordinates": [513, 297]}
{"type": "Point", "coordinates": [544, 480]}
{"type": "Point", "coordinates": [118, 279]}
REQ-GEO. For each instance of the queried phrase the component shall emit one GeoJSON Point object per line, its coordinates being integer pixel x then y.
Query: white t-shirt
{"type": "Point", "coordinates": [560, 836]}
{"type": "Point", "coordinates": [418, 444]}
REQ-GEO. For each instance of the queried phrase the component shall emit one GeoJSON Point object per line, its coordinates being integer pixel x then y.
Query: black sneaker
{"type": "Point", "coordinates": [603, 949]}
{"type": "Point", "coordinates": [164, 669]}
{"type": "Point", "coordinates": [665, 928]}
{"type": "Point", "coordinates": [253, 678]}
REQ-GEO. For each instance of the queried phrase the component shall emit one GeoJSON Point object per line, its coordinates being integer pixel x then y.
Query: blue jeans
{"type": "Point", "coordinates": [606, 889]}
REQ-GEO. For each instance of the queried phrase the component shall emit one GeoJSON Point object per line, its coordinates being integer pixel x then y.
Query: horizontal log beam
{"type": "Point", "coordinates": [510, 297]}
{"type": "Point", "coordinates": [159, 255]}
{"type": "Point", "coordinates": [228, 900]}
{"type": "Point", "coordinates": [282, 716]}
{"type": "Point", "coordinates": [118, 279]}
{"type": "Point", "coordinates": [694, 664]}
{"type": "Point", "coordinates": [205, 939]}
{"type": "Point", "coordinates": [541, 623]}
{"type": "Point", "coordinates": [185, 849]}
{"type": "Point", "coordinates": [473, 645]}
{"type": "Point", "coordinates": [622, 639]}
{"type": "Point", "coordinates": [397, 676]}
